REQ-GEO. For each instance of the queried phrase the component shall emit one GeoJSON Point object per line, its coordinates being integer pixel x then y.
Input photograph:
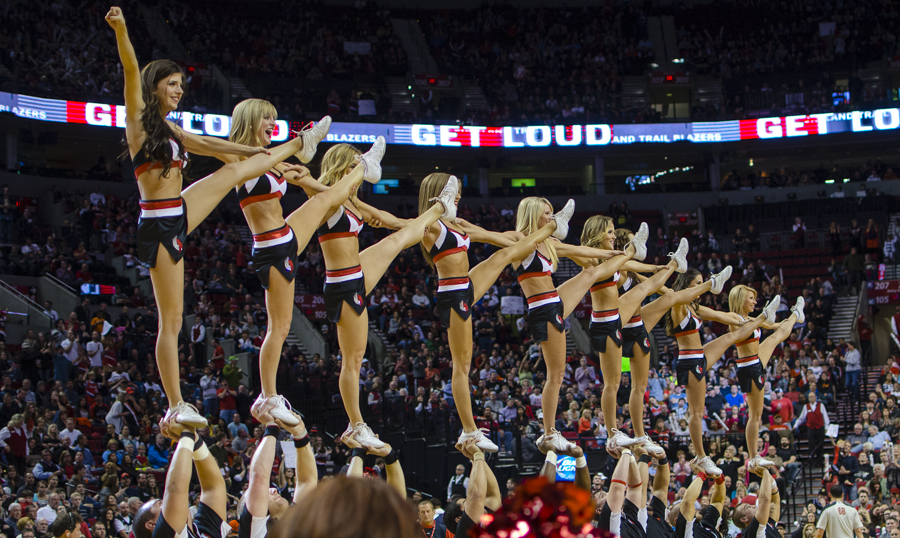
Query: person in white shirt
{"type": "Point", "coordinates": [94, 350]}
{"type": "Point", "coordinates": [839, 519]}
{"type": "Point", "coordinates": [420, 299]}
{"type": "Point", "coordinates": [116, 413]}
{"type": "Point", "coordinates": [459, 479]}
{"type": "Point", "coordinates": [48, 512]}
{"type": "Point", "coordinates": [71, 347]}
{"type": "Point", "coordinates": [70, 432]}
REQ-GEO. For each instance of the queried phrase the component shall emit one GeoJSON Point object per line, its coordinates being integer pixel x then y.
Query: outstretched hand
{"type": "Point", "coordinates": [606, 254]}
{"type": "Point", "coordinates": [299, 175]}
{"type": "Point", "coordinates": [115, 18]}
{"type": "Point", "coordinates": [298, 431]}
{"type": "Point", "coordinates": [350, 440]}
{"type": "Point", "coordinates": [381, 452]}
{"type": "Point", "coordinates": [468, 448]}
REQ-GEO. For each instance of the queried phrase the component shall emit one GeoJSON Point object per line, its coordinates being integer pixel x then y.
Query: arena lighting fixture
{"type": "Point", "coordinates": [846, 180]}
{"type": "Point", "coordinates": [678, 61]}
{"type": "Point", "coordinates": [829, 181]}
{"type": "Point", "coordinates": [751, 163]}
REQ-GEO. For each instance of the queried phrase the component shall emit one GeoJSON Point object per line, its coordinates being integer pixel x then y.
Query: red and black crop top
{"type": "Point", "coordinates": [689, 325]}
{"type": "Point", "coordinates": [142, 162]}
{"type": "Point", "coordinates": [534, 265]}
{"type": "Point", "coordinates": [342, 224]}
{"type": "Point", "coordinates": [268, 186]}
{"type": "Point", "coordinates": [627, 286]}
{"type": "Point", "coordinates": [449, 242]}
{"type": "Point", "coordinates": [605, 283]}
{"type": "Point", "coordinates": [753, 338]}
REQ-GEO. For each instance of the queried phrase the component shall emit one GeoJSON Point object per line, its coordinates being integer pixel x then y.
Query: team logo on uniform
{"type": "Point", "coordinates": [699, 369]}
{"type": "Point", "coordinates": [762, 380]}
{"type": "Point", "coordinates": [179, 246]}
{"type": "Point", "coordinates": [463, 306]}
{"type": "Point", "coordinates": [289, 265]}
{"type": "Point", "coordinates": [646, 342]}
{"type": "Point", "coordinates": [357, 299]}
{"type": "Point", "coordinates": [618, 334]}
{"type": "Point", "coordinates": [559, 319]}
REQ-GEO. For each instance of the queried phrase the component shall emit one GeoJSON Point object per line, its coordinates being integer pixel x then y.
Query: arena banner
{"type": "Point", "coordinates": [533, 136]}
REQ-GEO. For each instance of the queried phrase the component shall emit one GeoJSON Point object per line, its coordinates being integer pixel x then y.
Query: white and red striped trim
{"type": "Point", "coordinates": [275, 237]}
{"type": "Point", "coordinates": [343, 275]}
{"type": "Point", "coordinates": [688, 354]}
{"type": "Point", "coordinates": [452, 284]}
{"type": "Point", "coordinates": [747, 361]}
{"type": "Point", "coordinates": [604, 316]}
{"type": "Point", "coordinates": [635, 321]}
{"type": "Point", "coordinates": [541, 299]}
{"type": "Point", "coordinates": [155, 209]}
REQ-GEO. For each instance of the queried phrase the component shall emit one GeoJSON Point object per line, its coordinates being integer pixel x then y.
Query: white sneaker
{"type": "Point", "coordinates": [639, 241]}
{"type": "Point", "coordinates": [366, 437]}
{"type": "Point", "coordinates": [771, 309]}
{"type": "Point", "coordinates": [651, 447]}
{"type": "Point", "coordinates": [798, 309]}
{"type": "Point", "coordinates": [481, 440]}
{"type": "Point", "coordinates": [259, 406]}
{"type": "Point", "coordinates": [708, 467]}
{"type": "Point", "coordinates": [281, 409]}
{"type": "Point", "coordinates": [758, 462]}
{"type": "Point", "coordinates": [447, 198]}
{"type": "Point", "coordinates": [188, 415]}
{"type": "Point", "coordinates": [556, 440]}
{"type": "Point", "coordinates": [680, 255]}
{"type": "Point", "coordinates": [561, 218]}
{"type": "Point", "coordinates": [311, 138]}
{"type": "Point", "coordinates": [719, 280]}
{"type": "Point", "coordinates": [620, 439]}
{"type": "Point", "coordinates": [371, 160]}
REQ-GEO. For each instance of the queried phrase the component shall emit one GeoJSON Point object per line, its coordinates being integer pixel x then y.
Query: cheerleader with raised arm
{"type": "Point", "coordinates": [694, 359]}
{"type": "Point", "coordinates": [277, 240]}
{"type": "Point", "coordinates": [753, 357]}
{"type": "Point", "coordinates": [549, 306]}
{"type": "Point", "coordinates": [158, 149]}
{"type": "Point", "coordinates": [350, 274]}
{"type": "Point", "coordinates": [445, 247]}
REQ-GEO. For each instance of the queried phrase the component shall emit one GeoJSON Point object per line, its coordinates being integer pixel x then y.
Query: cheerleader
{"type": "Point", "coordinates": [753, 357]}
{"type": "Point", "coordinates": [713, 519]}
{"type": "Point", "coordinates": [548, 307]}
{"type": "Point", "coordinates": [683, 322]}
{"type": "Point", "coordinates": [606, 329]}
{"type": "Point", "coordinates": [158, 150]}
{"type": "Point", "coordinates": [350, 274]}
{"type": "Point", "coordinates": [277, 241]}
{"type": "Point", "coordinates": [445, 246]}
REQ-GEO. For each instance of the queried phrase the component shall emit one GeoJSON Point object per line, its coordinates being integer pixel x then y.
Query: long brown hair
{"type": "Point", "coordinates": [682, 282]}
{"type": "Point", "coordinates": [157, 132]}
{"type": "Point", "coordinates": [345, 507]}
{"type": "Point", "coordinates": [430, 188]}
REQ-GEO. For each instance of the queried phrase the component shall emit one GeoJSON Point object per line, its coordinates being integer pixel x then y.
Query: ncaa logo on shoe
{"type": "Point", "coordinates": [463, 306]}
{"type": "Point", "coordinates": [179, 246]}
{"type": "Point", "coordinates": [289, 265]}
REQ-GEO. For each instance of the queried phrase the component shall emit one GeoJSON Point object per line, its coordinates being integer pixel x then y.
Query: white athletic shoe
{"type": "Point", "coordinates": [481, 440]}
{"type": "Point", "coordinates": [281, 410]}
{"type": "Point", "coordinates": [561, 218]}
{"type": "Point", "coordinates": [620, 439]}
{"type": "Point", "coordinates": [680, 255]}
{"type": "Point", "coordinates": [364, 435]}
{"type": "Point", "coordinates": [719, 280]}
{"type": "Point", "coordinates": [556, 440]}
{"type": "Point", "coordinates": [371, 160]}
{"type": "Point", "coordinates": [639, 241]}
{"type": "Point", "coordinates": [651, 447]}
{"type": "Point", "coordinates": [798, 309]}
{"type": "Point", "coordinates": [758, 462]}
{"type": "Point", "coordinates": [447, 198]}
{"type": "Point", "coordinates": [771, 309]}
{"type": "Point", "coordinates": [707, 466]}
{"type": "Point", "coordinates": [188, 415]}
{"type": "Point", "coordinates": [311, 139]}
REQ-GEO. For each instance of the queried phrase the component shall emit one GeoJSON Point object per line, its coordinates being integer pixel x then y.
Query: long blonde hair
{"type": "Point", "coordinates": [528, 215]}
{"type": "Point", "coordinates": [737, 296]}
{"type": "Point", "coordinates": [337, 162]}
{"type": "Point", "coordinates": [430, 188]}
{"type": "Point", "coordinates": [594, 231]}
{"type": "Point", "coordinates": [246, 119]}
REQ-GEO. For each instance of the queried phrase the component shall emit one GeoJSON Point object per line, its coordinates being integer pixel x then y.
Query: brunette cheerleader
{"type": "Point", "coordinates": [753, 357]}
{"type": "Point", "coordinates": [158, 149]}
{"type": "Point", "coordinates": [694, 358]}
{"type": "Point", "coordinates": [351, 274]}
{"type": "Point", "coordinates": [548, 307]}
{"type": "Point", "coordinates": [277, 241]}
{"type": "Point", "coordinates": [445, 247]}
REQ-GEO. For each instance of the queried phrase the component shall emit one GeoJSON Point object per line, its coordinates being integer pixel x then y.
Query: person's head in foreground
{"type": "Point", "coordinates": [345, 507]}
